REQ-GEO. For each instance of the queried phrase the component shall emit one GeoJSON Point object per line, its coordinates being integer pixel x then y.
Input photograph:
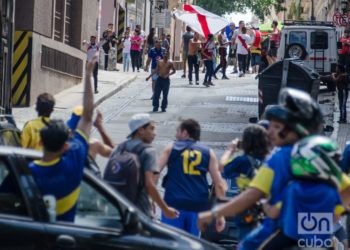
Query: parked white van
{"type": "Point", "coordinates": [313, 42]}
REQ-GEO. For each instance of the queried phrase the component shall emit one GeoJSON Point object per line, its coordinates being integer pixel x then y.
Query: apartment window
{"type": "Point", "coordinates": [68, 22]}
{"type": "Point", "coordinates": [59, 17]}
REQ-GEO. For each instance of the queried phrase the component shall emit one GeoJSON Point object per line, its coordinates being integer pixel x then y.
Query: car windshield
{"type": "Point", "coordinates": [298, 37]}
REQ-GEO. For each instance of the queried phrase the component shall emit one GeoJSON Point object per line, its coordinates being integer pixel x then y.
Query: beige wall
{"type": "Point", "coordinates": [37, 16]}
{"type": "Point", "coordinates": [24, 14]}
{"type": "Point", "coordinates": [107, 14]}
{"type": "Point", "coordinates": [89, 19]}
{"type": "Point", "coordinates": [44, 80]}
{"type": "Point", "coordinates": [43, 17]}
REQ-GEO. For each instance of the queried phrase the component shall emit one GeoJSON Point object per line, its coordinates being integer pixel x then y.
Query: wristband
{"type": "Point", "coordinates": [214, 212]}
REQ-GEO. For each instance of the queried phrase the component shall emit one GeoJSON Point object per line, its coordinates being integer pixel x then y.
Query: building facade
{"type": "Point", "coordinates": [48, 55]}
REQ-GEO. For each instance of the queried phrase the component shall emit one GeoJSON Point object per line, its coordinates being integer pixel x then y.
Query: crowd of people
{"type": "Point", "coordinates": [243, 46]}
{"type": "Point", "coordinates": [285, 160]}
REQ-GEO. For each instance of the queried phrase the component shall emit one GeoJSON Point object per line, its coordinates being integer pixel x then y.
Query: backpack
{"type": "Point", "coordinates": [124, 171]}
{"type": "Point", "coordinates": [10, 135]}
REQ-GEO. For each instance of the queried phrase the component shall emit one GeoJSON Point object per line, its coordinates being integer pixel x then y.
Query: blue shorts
{"type": "Point", "coordinates": [256, 238]}
{"type": "Point", "coordinates": [187, 221]}
{"type": "Point", "coordinates": [256, 59]}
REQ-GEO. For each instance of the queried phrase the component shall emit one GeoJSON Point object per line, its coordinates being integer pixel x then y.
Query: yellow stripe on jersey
{"type": "Point", "coordinates": [242, 182]}
{"type": "Point", "coordinates": [263, 180]}
{"type": "Point", "coordinates": [345, 182]}
{"type": "Point", "coordinates": [339, 210]}
{"type": "Point", "coordinates": [86, 138]}
{"type": "Point", "coordinates": [66, 203]}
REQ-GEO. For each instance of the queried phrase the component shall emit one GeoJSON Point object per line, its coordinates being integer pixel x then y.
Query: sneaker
{"type": "Point", "coordinates": [240, 74]}
{"type": "Point", "coordinates": [190, 83]}
{"type": "Point", "coordinates": [225, 78]}
{"type": "Point", "coordinates": [211, 84]}
{"type": "Point", "coordinates": [183, 76]}
{"type": "Point", "coordinates": [206, 84]}
{"type": "Point", "coordinates": [197, 82]}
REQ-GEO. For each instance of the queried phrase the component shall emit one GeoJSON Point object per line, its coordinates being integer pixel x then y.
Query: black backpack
{"type": "Point", "coordinates": [124, 171]}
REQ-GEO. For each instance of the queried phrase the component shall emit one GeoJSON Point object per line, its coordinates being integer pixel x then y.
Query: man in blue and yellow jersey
{"type": "Point", "coordinates": [186, 186]}
{"type": "Point", "coordinates": [60, 171]}
{"type": "Point", "coordinates": [30, 137]}
{"type": "Point", "coordinates": [296, 116]}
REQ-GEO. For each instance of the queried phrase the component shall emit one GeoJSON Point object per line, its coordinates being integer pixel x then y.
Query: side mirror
{"type": "Point", "coordinates": [132, 223]}
{"type": "Point", "coordinates": [50, 203]}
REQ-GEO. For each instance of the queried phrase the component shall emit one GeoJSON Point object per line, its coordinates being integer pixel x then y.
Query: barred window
{"type": "Point", "coordinates": [61, 62]}
{"type": "Point", "coordinates": [59, 17]}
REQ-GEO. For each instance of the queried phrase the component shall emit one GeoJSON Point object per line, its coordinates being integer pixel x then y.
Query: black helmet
{"type": "Point", "coordinates": [298, 111]}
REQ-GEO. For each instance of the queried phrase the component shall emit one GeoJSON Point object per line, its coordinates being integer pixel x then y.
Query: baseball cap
{"type": "Point", "coordinates": [137, 121]}
{"type": "Point", "coordinates": [72, 123]}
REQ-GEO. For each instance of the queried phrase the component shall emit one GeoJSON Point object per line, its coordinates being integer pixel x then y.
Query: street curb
{"type": "Point", "coordinates": [113, 92]}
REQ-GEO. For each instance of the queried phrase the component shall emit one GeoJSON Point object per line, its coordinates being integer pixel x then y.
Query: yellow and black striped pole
{"type": "Point", "coordinates": [21, 68]}
{"type": "Point", "coordinates": [121, 26]}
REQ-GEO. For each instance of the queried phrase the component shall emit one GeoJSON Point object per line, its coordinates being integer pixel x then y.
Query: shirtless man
{"type": "Point", "coordinates": [163, 82]}
{"type": "Point", "coordinates": [192, 57]}
{"type": "Point", "coordinates": [223, 42]}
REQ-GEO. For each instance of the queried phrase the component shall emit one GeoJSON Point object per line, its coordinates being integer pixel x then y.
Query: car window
{"type": "Point", "coordinates": [299, 37]}
{"type": "Point", "coordinates": [94, 210]}
{"type": "Point", "coordinates": [319, 40]}
{"type": "Point", "coordinates": [11, 200]}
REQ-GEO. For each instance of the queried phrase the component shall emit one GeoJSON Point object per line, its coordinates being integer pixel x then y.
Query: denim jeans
{"type": "Point", "coordinates": [162, 85]}
{"type": "Point", "coordinates": [126, 61]}
{"type": "Point", "coordinates": [135, 59]}
{"type": "Point", "coordinates": [242, 62]}
{"type": "Point", "coordinates": [342, 98]}
{"type": "Point", "coordinates": [95, 73]}
{"type": "Point", "coordinates": [223, 62]}
{"type": "Point", "coordinates": [193, 62]}
{"type": "Point", "coordinates": [106, 58]}
{"type": "Point", "coordinates": [209, 70]}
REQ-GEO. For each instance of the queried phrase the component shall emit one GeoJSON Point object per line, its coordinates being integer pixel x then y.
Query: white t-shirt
{"type": "Point", "coordinates": [240, 48]}
{"type": "Point", "coordinates": [127, 45]}
{"type": "Point", "coordinates": [93, 49]}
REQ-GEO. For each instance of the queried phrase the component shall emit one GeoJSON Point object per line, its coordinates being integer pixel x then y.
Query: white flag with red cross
{"type": "Point", "coordinates": [200, 20]}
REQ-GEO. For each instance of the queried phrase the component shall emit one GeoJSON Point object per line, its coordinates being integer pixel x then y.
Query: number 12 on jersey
{"type": "Point", "coordinates": [191, 159]}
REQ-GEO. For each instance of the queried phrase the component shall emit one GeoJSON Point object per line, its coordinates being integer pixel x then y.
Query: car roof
{"type": "Point", "coordinates": [307, 27]}
{"type": "Point", "coordinates": [8, 150]}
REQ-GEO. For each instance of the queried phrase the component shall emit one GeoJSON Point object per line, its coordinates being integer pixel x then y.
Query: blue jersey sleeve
{"type": "Point", "coordinates": [150, 54]}
{"type": "Point", "coordinates": [239, 165]}
{"type": "Point", "coordinates": [345, 162]}
{"type": "Point", "coordinates": [77, 154]}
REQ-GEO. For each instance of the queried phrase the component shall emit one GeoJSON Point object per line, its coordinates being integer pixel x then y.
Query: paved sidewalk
{"type": "Point", "coordinates": [110, 82]}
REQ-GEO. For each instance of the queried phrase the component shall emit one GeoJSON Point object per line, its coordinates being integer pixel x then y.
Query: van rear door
{"type": "Point", "coordinates": [320, 56]}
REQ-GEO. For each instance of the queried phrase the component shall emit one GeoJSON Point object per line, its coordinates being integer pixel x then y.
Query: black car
{"type": "Point", "coordinates": [104, 218]}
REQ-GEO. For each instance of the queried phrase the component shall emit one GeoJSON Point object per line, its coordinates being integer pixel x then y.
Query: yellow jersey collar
{"type": "Point", "coordinates": [47, 163]}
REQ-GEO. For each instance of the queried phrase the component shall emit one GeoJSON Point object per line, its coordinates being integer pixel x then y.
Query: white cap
{"type": "Point", "coordinates": [137, 121]}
